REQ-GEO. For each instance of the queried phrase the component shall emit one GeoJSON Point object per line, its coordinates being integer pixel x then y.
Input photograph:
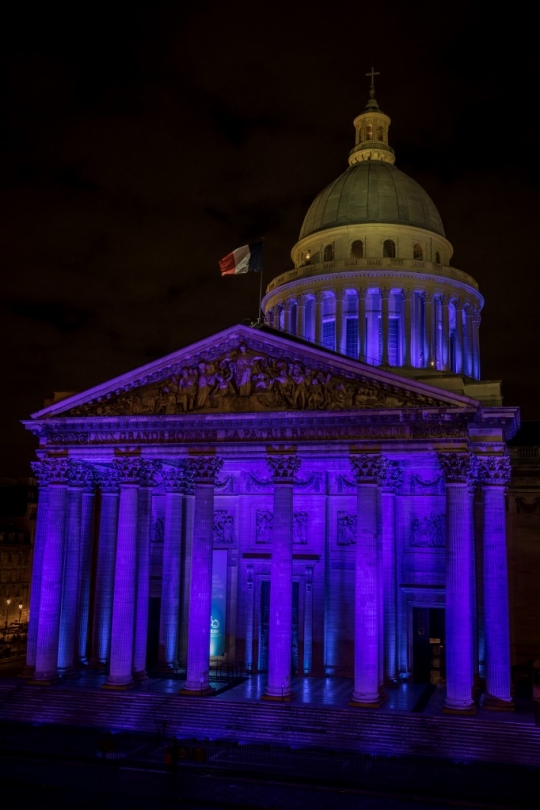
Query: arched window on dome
{"type": "Point", "coordinates": [389, 249]}
{"type": "Point", "coordinates": [369, 132]}
{"type": "Point", "coordinates": [418, 252]}
{"type": "Point", "coordinates": [328, 255]}
{"type": "Point", "coordinates": [380, 135]}
{"type": "Point", "coordinates": [437, 257]}
{"type": "Point", "coordinates": [357, 249]}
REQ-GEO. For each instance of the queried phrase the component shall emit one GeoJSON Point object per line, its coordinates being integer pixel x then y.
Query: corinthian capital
{"type": "Point", "coordinates": [458, 468]}
{"type": "Point", "coordinates": [56, 470]}
{"type": "Point", "coordinates": [81, 475]}
{"type": "Point", "coordinates": [283, 468]}
{"type": "Point", "coordinates": [494, 471]}
{"type": "Point", "coordinates": [366, 468]}
{"type": "Point", "coordinates": [204, 469]}
{"type": "Point", "coordinates": [128, 469]}
{"type": "Point", "coordinates": [173, 479]}
{"type": "Point", "coordinates": [41, 472]}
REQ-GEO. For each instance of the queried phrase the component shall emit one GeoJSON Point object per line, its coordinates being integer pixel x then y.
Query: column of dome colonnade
{"type": "Point", "coordinates": [436, 330]}
{"type": "Point", "coordinates": [459, 472]}
{"type": "Point", "coordinates": [283, 468]}
{"type": "Point", "coordinates": [367, 597]}
{"type": "Point", "coordinates": [204, 470]}
{"type": "Point", "coordinates": [494, 476]}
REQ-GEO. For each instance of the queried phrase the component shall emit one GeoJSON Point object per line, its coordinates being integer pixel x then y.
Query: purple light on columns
{"type": "Point", "coordinates": [389, 480]}
{"type": "Point", "coordinates": [77, 479]}
{"type": "Point", "coordinates": [40, 470]}
{"type": "Point", "coordinates": [144, 528]}
{"type": "Point", "coordinates": [85, 569]}
{"type": "Point", "coordinates": [495, 475]}
{"type": "Point", "coordinates": [52, 570]}
{"type": "Point", "coordinates": [459, 474]}
{"type": "Point", "coordinates": [170, 587]}
{"type": "Point", "coordinates": [283, 468]}
{"type": "Point", "coordinates": [204, 470]}
{"type": "Point", "coordinates": [123, 613]}
{"type": "Point", "coordinates": [366, 608]}
{"type": "Point", "coordinates": [108, 526]}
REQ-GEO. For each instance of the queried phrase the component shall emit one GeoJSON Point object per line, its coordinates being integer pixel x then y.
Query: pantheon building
{"type": "Point", "coordinates": [320, 494]}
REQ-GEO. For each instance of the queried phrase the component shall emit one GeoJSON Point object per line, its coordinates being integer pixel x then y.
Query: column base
{"type": "Point", "coordinates": [38, 681]}
{"type": "Point", "coordinates": [208, 691]}
{"type": "Point", "coordinates": [141, 677]}
{"type": "Point", "coordinates": [368, 701]}
{"type": "Point", "coordinates": [470, 712]}
{"type": "Point", "coordinates": [118, 685]}
{"type": "Point", "coordinates": [494, 704]}
{"type": "Point", "coordinates": [285, 698]}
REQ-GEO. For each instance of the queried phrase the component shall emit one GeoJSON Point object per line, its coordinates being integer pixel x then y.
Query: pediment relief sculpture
{"type": "Point", "coordinates": [242, 381]}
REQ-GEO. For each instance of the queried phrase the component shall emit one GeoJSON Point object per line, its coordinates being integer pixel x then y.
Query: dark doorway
{"type": "Point", "coordinates": [152, 647]}
{"type": "Point", "coordinates": [428, 645]}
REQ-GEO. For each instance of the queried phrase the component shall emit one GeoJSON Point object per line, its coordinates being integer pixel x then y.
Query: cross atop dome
{"type": "Point", "coordinates": [372, 103]}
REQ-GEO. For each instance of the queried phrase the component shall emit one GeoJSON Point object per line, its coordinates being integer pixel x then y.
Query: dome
{"type": "Point", "coordinates": [372, 191]}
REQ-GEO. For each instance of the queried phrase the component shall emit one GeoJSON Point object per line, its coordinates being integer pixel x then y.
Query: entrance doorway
{"type": "Point", "coordinates": [429, 665]}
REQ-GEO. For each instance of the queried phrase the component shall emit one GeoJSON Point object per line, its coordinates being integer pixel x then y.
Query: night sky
{"type": "Point", "coordinates": [140, 143]}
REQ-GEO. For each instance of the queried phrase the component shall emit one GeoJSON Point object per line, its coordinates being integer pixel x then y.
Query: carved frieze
{"type": "Point", "coordinates": [426, 486]}
{"type": "Point", "coordinates": [223, 527]}
{"type": "Point", "coordinates": [265, 526]}
{"type": "Point", "coordinates": [428, 531]}
{"type": "Point", "coordinates": [244, 381]}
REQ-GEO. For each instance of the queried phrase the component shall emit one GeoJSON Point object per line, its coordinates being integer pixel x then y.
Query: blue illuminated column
{"type": "Point", "coordinates": [148, 472]}
{"type": "Point", "coordinates": [204, 470]}
{"type": "Point", "coordinates": [458, 338]}
{"type": "Point", "coordinates": [249, 618]}
{"type": "Point", "coordinates": [361, 323]}
{"type": "Point", "coordinates": [445, 337]}
{"type": "Point", "coordinates": [407, 332]}
{"type": "Point", "coordinates": [188, 526]}
{"type": "Point", "coordinates": [458, 469]}
{"type": "Point", "coordinates": [52, 574]}
{"type": "Point", "coordinates": [476, 319]}
{"type": "Point", "coordinates": [283, 468]}
{"type": "Point", "coordinates": [385, 300]}
{"type": "Point", "coordinates": [108, 524]}
{"type": "Point", "coordinates": [124, 595]}
{"type": "Point", "coordinates": [366, 469]}
{"type": "Point", "coordinates": [85, 567]}
{"type": "Point", "coordinates": [319, 303]}
{"type": "Point", "coordinates": [495, 476]}
{"type": "Point", "coordinates": [469, 343]}
{"type": "Point", "coordinates": [40, 470]}
{"type": "Point", "coordinates": [170, 583]}
{"type": "Point", "coordinates": [308, 621]}
{"type": "Point", "coordinates": [389, 480]}
{"type": "Point", "coordinates": [287, 307]}
{"type": "Point", "coordinates": [68, 647]}
{"type": "Point", "coordinates": [340, 322]}
{"type": "Point", "coordinates": [429, 315]}
{"type": "Point", "coordinates": [301, 316]}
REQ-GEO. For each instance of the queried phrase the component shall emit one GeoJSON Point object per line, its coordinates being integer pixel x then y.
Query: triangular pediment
{"type": "Point", "coordinates": [244, 370]}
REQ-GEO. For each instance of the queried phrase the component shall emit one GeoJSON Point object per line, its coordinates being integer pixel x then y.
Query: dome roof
{"type": "Point", "coordinates": [372, 191]}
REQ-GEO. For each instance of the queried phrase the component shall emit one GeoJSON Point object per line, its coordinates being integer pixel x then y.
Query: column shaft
{"type": "Point", "coordinates": [70, 599]}
{"type": "Point", "coordinates": [105, 574]}
{"type": "Point", "coordinates": [361, 324]}
{"type": "Point", "coordinates": [85, 572]}
{"type": "Point", "coordinates": [144, 531]}
{"type": "Point", "coordinates": [170, 590]}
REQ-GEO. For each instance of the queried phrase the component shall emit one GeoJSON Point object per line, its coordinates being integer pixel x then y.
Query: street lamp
{"type": "Point", "coordinates": [8, 603]}
{"type": "Point", "coordinates": [20, 611]}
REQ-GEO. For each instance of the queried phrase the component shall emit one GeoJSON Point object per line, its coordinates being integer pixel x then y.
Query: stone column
{"type": "Point", "coordinates": [249, 618]}
{"type": "Point", "coordinates": [108, 524]}
{"type": "Point", "coordinates": [188, 527]}
{"type": "Point", "coordinates": [148, 472]}
{"type": "Point", "coordinates": [340, 322]}
{"type": "Point", "coordinates": [459, 473]}
{"type": "Point", "coordinates": [319, 303]}
{"type": "Point", "coordinates": [429, 306]}
{"type": "Point", "coordinates": [287, 315]}
{"type": "Point", "coordinates": [308, 621]}
{"type": "Point", "coordinates": [389, 480]}
{"type": "Point", "coordinates": [385, 299]}
{"type": "Point", "coordinates": [283, 468]}
{"type": "Point", "coordinates": [476, 343]}
{"type": "Point", "coordinates": [458, 338]}
{"type": "Point", "coordinates": [301, 316]}
{"type": "Point", "coordinates": [494, 476]}
{"type": "Point", "coordinates": [79, 476]}
{"type": "Point", "coordinates": [170, 584]}
{"type": "Point", "coordinates": [125, 571]}
{"type": "Point", "coordinates": [469, 345]}
{"type": "Point", "coordinates": [41, 473]}
{"type": "Point", "coordinates": [85, 568]}
{"type": "Point", "coordinates": [46, 669]}
{"type": "Point", "coordinates": [361, 323]}
{"type": "Point", "coordinates": [407, 343]}
{"type": "Point", "coordinates": [204, 470]}
{"type": "Point", "coordinates": [445, 359]}
{"type": "Point", "coordinates": [366, 604]}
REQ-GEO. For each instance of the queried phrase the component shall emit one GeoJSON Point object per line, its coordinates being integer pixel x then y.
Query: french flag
{"type": "Point", "coordinates": [245, 259]}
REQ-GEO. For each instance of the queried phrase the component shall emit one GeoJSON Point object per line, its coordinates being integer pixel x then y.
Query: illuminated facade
{"type": "Point", "coordinates": [320, 495]}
